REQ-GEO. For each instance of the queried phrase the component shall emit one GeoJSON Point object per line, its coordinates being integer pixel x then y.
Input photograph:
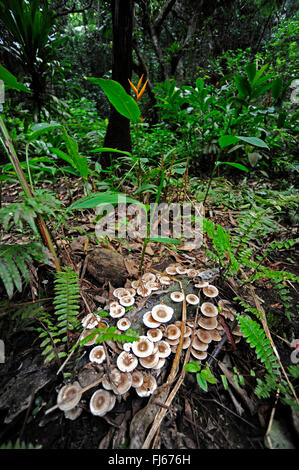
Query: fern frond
{"type": "Point", "coordinates": [66, 300]}
{"type": "Point", "coordinates": [14, 260]}
{"type": "Point", "coordinates": [256, 337]}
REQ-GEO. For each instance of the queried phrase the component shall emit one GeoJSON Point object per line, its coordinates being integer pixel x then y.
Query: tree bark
{"type": "Point", "coordinates": [118, 131]}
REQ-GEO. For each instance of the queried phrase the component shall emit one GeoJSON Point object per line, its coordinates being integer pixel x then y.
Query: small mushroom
{"type": "Point", "coordinates": [113, 305]}
{"type": "Point", "coordinates": [154, 334]}
{"type": "Point", "coordinates": [131, 291]}
{"type": "Point", "coordinates": [172, 342]}
{"type": "Point", "coordinates": [101, 402]}
{"type": "Point", "coordinates": [199, 354]}
{"type": "Point", "coordinates": [192, 299]}
{"type": "Point", "coordinates": [165, 280]}
{"type": "Point", "coordinates": [210, 291]}
{"type": "Point", "coordinates": [143, 347]}
{"type": "Point", "coordinates": [177, 296]}
{"type": "Point", "coordinates": [119, 292]}
{"type": "Point", "coordinates": [160, 363]}
{"type": "Point", "coordinates": [122, 383]}
{"type": "Point", "coordinates": [208, 323]}
{"type": "Point", "coordinates": [144, 291]}
{"type": "Point", "coordinates": [172, 332]}
{"type": "Point", "coordinates": [148, 387]}
{"type": "Point", "coordinates": [123, 324]}
{"type": "Point", "coordinates": [147, 277]}
{"type": "Point", "coordinates": [117, 312]}
{"type": "Point", "coordinates": [93, 336]}
{"type": "Point", "coordinates": [69, 396]}
{"type": "Point", "coordinates": [162, 313]}
{"type": "Point", "coordinates": [237, 331]}
{"type": "Point", "coordinates": [208, 309]}
{"type": "Point", "coordinates": [181, 269]}
{"type": "Point", "coordinates": [149, 321]}
{"type": "Point", "coordinates": [126, 362]}
{"type": "Point", "coordinates": [74, 413]}
{"type": "Point", "coordinates": [192, 272]}
{"type": "Point", "coordinates": [149, 361]}
{"type": "Point", "coordinates": [204, 335]}
{"type": "Point", "coordinates": [200, 284]}
{"type": "Point", "coordinates": [127, 301]}
{"type": "Point", "coordinates": [90, 321]}
{"type": "Point", "coordinates": [137, 378]}
{"type": "Point", "coordinates": [215, 335]}
{"type": "Point", "coordinates": [97, 354]}
{"type": "Point", "coordinates": [199, 345]}
{"type": "Point", "coordinates": [163, 349]}
{"type": "Point", "coordinates": [135, 284]}
{"type": "Point", "coordinates": [171, 270]}
{"type": "Point", "coordinates": [152, 285]}
{"type": "Point", "coordinates": [186, 342]}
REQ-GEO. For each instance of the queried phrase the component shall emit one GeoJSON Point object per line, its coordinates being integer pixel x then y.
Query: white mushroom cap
{"type": "Point", "coordinates": [135, 284]}
{"type": "Point", "coordinates": [216, 336]}
{"type": "Point", "coordinates": [208, 323]}
{"type": "Point", "coordinates": [171, 270]}
{"type": "Point", "coordinates": [163, 349]}
{"type": "Point", "coordinates": [186, 342]}
{"type": "Point", "coordinates": [127, 300]}
{"type": "Point", "coordinates": [152, 285]}
{"type": "Point", "coordinates": [149, 321]}
{"type": "Point", "coordinates": [177, 296]}
{"type": "Point", "coordinates": [144, 290]}
{"type": "Point", "coordinates": [165, 280]}
{"type": "Point", "coordinates": [117, 312]}
{"type": "Point", "coordinates": [97, 354]}
{"type": "Point", "coordinates": [137, 378]}
{"type": "Point", "coordinates": [181, 269]}
{"type": "Point", "coordinates": [121, 383]}
{"type": "Point", "coordinates": [204, 335]}
{"type": "Point", "coordinates": [126, 362]}
{"type": "Point", "coordinates": [101, 402]}
{"type": "Point", "coordinates": [208, 309]}
{"type": "Point", "coordinates": [172, 342]}
{"type": "Point", "coordinates": [188, 331]}
{"type": "Point", "coordinates": [150, 361]}
{"type": "Point", "coordinates": [199, 354]}
{"type": "Point", "coordinates": [123, 324]}
{"type": "Point", "coordinates": [160, 363]}
{"type": "Point", "coordinates": [201, 284]}
{"type": "Point", "coordinates": [192, 299]}
{"type": "Point", "coordinates": [119, 292]}
{"type": "Point", "coordinates": [148, 277]}
{"type": "Point", "coordinates": [69, 396]}
{"type": "Point", "coordinates": [172, 332]}
{"type": "Point", "coordinates": [237, 331]}
{"type": "Point", "coordinates": [199, 345]}
{"type": "Point", "coordinates": [86, 333]}
{"type": "Point", "coordinates": [127, 346]}
{"type": "Point", "coordinates": [192, 272]}
{"type": "Point", "coordinates": [154, 334]}
{"type": "Point", "coordinates": [162, 313]}
{"type": "Point", "coordinates": [210, 291]}
{"type": "Point", "coordinates": [74, 413]}
{"type": "Point", "coordinates": [131, 291]}
{"type": "Point", "coordinates": [90, 321]}
{"type": "Point", "coordinates": [148, 387]}
{"type": "Point", "coordinates": [143, 347]}
{"type": "Point", "coordinates": [113, 304]}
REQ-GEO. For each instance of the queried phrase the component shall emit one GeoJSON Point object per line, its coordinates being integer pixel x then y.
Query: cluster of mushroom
{"type": "Point", "coordinates": [140, 362]}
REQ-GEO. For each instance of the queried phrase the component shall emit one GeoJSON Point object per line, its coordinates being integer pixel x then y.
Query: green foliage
{"type": "Point", "coordinates": [203, 376]}
{"type": "Point", "coordinates": [19, 445]}
{"type": "Point", "coordinates": [54, 333]}
{"type": "Point", "coordinates": [14, 264]}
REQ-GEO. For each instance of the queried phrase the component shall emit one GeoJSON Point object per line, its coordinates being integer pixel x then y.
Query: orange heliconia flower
{"type": "Point", "coordinates": [136, 89]}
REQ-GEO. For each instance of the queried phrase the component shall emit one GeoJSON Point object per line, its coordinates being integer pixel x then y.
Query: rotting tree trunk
{"type": "Point", "coordinates": [118, 131]}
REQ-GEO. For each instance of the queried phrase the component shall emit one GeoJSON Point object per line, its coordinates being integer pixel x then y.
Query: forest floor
{"type": "Point", "coordinates": [217, 419]}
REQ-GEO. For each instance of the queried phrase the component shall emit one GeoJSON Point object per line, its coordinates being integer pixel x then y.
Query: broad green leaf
{"type": "Point", "coordinates": [42, 128]}
{"type": "Point", "coordinates": [61, 154]}
{"type": "Point", "coordinates": [107, 149]}
{"type": "Point", "coordinates": [242, 85]}
{"type": "Point", "coordinates": [199, 84]}
{"type": "Point", "coordinates": [235, 165]}
{"type": "Point", "coordinates": [255, 141]}
{"type": "Point", "coordinates": [226, 140]}
{"type": "Point", "coordinates": [250, 71]}
{"type": "Point", "coordinates": [119, 98]}
{"type": "Point", "coordinates": [276, 87]}
{"type": "Point", "coordinates": [11, 82]}
{"type": "Point", "coordinates": [202, 382]}
{"type": "Point", "coordinates": [79, 162]}
{"type": "Point", "coordinates": [192, 367]}
{"type": "Point", "coordinates": [102, 198]}
{"type": "Point", "coordinates": [208, 376]}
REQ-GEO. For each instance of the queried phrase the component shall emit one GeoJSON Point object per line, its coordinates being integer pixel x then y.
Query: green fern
{"type": "Point", "coordinates": [54, 334]}
{"type": "Point", "coordinates": [256, 337]}
{"type": "Point", "coordinates": [19, 445]}
{"type": "Point", "coordinates": [14, 260]}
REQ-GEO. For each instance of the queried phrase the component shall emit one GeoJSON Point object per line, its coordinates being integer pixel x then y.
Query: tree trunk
{"type": "Point", "coordinates": [118, 131]}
